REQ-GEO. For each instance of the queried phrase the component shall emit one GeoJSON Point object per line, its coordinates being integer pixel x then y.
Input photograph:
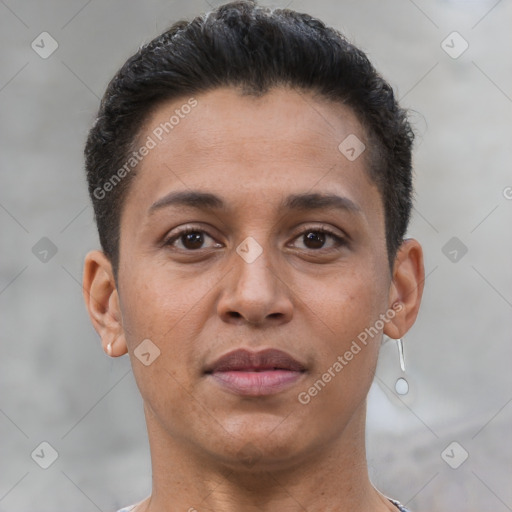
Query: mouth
{"type": "Point", "coordinates": [247, 373]}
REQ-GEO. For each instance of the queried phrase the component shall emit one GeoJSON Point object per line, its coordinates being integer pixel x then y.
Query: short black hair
{"type": "Point", "coordinates": [253, 48]}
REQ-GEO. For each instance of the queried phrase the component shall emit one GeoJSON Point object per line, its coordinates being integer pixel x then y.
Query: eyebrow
{"type": "Point", "coordinates": [295, 202]}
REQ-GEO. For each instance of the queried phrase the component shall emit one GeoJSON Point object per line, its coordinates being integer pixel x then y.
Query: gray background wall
{"type": "Point", "coordinates": [58, 386]}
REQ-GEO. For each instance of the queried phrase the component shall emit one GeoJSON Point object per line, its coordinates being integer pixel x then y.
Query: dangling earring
{"type": "Point", "coordinates": [401, 385]}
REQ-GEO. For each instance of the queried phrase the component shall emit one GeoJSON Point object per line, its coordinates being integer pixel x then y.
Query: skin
{"type": "Point", "coordinates": [310, 299]}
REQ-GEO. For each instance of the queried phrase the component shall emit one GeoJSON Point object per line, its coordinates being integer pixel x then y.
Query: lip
{"type": "Point", "coordinates": [248, 373]}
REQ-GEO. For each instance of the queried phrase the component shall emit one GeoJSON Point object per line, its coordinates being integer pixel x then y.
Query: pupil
{"type": "Point", "coordinates": [193, 240]}
{"type": "Point", "coordinates": [317, 238]}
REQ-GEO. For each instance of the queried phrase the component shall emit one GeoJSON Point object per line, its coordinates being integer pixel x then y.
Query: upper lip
{"type": "Point", "coordinates": [243, 359]}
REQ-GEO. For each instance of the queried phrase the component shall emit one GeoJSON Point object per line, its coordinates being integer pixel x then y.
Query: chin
{"type": "Point", "coordinates": [261, 445]}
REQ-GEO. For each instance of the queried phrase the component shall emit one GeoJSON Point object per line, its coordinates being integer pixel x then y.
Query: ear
{"type": "Point", "coordinates": [102, 302]}
{"type": "Point", "coordinates": [406, 288]}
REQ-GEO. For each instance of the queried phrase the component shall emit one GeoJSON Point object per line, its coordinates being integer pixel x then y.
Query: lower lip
{"type": "Point", "coordinates": [257, 383]}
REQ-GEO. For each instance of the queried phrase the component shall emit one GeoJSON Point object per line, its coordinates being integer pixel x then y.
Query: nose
{"type": "Point", "coordinates": [255, 291]}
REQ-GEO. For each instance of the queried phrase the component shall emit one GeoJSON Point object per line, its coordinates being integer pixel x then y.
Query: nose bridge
{"type": "Point", "coordinates": [254, 291]}
{"type": "Point", "coordinates": [255, 276]}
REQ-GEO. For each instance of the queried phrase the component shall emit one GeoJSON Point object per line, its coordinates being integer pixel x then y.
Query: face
{"type": "Point", "coordinates": [247, 228]}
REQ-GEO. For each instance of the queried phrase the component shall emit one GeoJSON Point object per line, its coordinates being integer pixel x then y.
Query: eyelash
{"type": "Point", "coordinates": [340, 241]}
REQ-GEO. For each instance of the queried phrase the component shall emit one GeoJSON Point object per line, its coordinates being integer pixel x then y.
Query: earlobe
{"type": "Point", "coordinates": [102, 302]}
{"type": "Point", "coordinates": [406, 288]}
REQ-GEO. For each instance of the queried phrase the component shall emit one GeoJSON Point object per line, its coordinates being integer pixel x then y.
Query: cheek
{"type": "Point", "coordinates": [164, 309]}
{"type": "Point", "coordinates": [157, 302]}
{"type": "Point", "coordinates": [345, 311]}
{"type": "Point", "coordinates": [171, 310]}
{"type": "Point", "coordinates": [345, 303]}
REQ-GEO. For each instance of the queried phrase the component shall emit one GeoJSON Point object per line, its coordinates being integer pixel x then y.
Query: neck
{"type": "Point", "coordinates": [333, 480]}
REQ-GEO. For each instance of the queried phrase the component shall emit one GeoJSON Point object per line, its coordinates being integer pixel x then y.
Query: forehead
{"type": "Point", "coordinates": [282, 115]}
{"type": "Point", "coordinates": [243, 147]}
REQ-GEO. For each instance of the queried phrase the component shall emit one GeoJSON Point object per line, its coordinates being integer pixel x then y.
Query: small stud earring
{"type": "Point", "coordinates": [401, 385]}
{"type": "Point", "coordinates": [109, 349]}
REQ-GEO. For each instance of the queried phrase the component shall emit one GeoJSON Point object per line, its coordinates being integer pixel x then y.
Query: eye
{"type": "Point", "coordinates": [191, 239]}
{"type": "Point", "coordinates": [315, 239]}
